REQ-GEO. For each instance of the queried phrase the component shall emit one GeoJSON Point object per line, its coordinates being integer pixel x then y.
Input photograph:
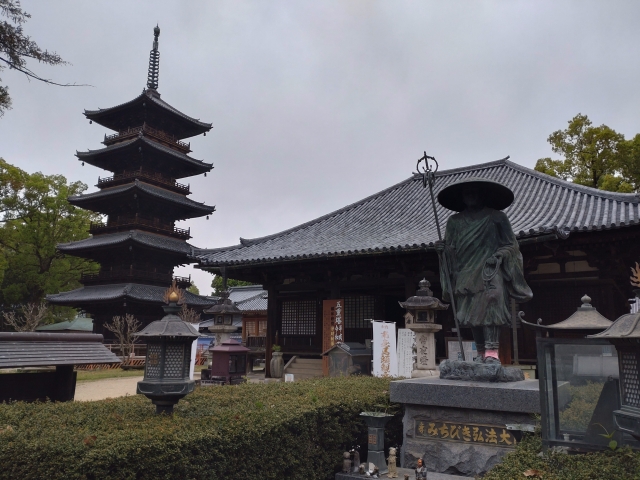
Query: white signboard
{"type": "Point", "coordinates": [385, 360]}
{"type": "Point", "coordinates": [470, 351]}
{"type": "Point", "coordinates": [406, 341]}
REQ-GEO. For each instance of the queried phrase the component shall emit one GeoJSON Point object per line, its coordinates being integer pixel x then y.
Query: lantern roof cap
{"type": "Point", "coordinates": [171, 325]}
{"type": "Point", "coordinates": [585, 318]}
{"type": "Point", "coordinates": [226, 305]}
{"type": "Point", "coordinates": [424, 299]}
{"type": "Point", "coordinates": [231, 346]}
{"type": "Point", "coordinates": [625, 327]}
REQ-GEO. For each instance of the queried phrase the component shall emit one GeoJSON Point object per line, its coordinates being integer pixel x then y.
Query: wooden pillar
{"type": "Point", "coordinates": [272, 318]}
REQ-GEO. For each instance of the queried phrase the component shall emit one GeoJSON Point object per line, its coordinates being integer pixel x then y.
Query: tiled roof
{"type": "Point", "coordinates": [400, 218]}
{"type": "Point", "coordinates": [134, 291]}
{"type": "Point", "coordinates": [90, 156]}
{"type": "Point", "coordinates": [77, 324]}
{"type": "Point", "coordinates": [143, 238]}
{"type": "Point", "coordinates": [240, 294]}
{"type": "Point", "coordinates": [254, 304]}
{"type": "Point", "coordinates": [102, 115]}
{"type": "Point", "coordinates": [197, 208]}
{"type": "Point", "coordinates": [36, 349]}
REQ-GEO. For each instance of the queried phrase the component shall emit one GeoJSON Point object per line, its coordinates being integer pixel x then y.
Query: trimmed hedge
{"type": "Point", "coordinates": [253, 431]}
{"type": "Point", "coordinates": [526, 462]}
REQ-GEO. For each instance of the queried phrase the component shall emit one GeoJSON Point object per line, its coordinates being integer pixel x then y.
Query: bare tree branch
{"type": "Point", "coordinates": [124, 328]}
{"type": "Point", "coordinates": [189, 315]}
{"type": "Point", "coordinates": [27, 318]}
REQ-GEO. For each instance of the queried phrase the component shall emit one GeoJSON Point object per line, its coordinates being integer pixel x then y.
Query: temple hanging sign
{"type": "Point", "coordinates": [332, 327]}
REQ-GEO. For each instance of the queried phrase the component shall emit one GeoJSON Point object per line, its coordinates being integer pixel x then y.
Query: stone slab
{"type": "Point", "coordinates": [401, 474]}
{"type": "Point", "coordinates": [523, 396]}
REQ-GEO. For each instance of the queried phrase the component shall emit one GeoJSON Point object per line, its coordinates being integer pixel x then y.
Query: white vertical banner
{"type": "Point", "coordinates": [406, 340]}
{"type": "Point", "coordinates": [192, 367]}
{"type": "Point", "coordinates": [385, 359]}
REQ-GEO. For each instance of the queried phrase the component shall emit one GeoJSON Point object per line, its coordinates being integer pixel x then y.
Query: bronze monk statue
{"type": "Point", "coordinates": [485, 262]}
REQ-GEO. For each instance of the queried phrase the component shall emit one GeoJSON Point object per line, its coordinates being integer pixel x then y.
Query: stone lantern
{"type": "Point", "coordinates": [168, 361]}
{"type": "Point", "coordinates": [624, 333]}
{"type": "Point", "coordinates": [421, 319]}
{"type": "Point", "coordinates": [223, 313]}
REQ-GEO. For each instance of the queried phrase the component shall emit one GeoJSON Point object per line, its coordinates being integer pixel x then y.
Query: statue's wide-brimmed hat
{"type": "Point", "coordinates": [493, 194]}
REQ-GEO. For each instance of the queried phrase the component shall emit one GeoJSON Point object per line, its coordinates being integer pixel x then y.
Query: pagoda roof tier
{"type": "Point", "coordinates": [122, 291]}
{"type": "Point", "coordinates": [84, 248]}
{"type": "Point", "coordinates": [150, 109]}
{"type": "Point", "coordinates": [140, 196]}
{"type": "Point", "coordinates": [143, 152]}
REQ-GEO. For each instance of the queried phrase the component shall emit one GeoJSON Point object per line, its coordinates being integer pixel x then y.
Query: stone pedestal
{"type": "Point", "coordinates": [222, 332]}
{"type": "Point", "coordinates": [425, 349]}
{"type": "Point", "coordinates": [459, 427]}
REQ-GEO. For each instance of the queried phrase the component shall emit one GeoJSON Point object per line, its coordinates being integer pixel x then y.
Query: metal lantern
{"type": "Point", "coordinates": [168, 361]}
{"type": "Point", "coordinates": [228, 363]}
{"type": "Point", "coordinates": [624, 333]}
{"type": "Point", "coordinates": [585, 319]}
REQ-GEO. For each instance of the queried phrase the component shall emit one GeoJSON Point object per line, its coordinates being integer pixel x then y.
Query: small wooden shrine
{"type": "Point", "coordinates": [139, 244]}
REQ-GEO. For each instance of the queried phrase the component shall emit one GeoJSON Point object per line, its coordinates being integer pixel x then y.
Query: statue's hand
{"type": "Point", "coordinates": [439, 246]}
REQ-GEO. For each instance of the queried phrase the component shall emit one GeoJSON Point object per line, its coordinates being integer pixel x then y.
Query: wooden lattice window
{"type": "Point", "coordinates": [262, 328]}
{"type": "Point", "coordinates": [358, 310]}
{"type": "Point", "coordinates": [299, 317]}
{"type": "Point", "coordinates": [249, 328]}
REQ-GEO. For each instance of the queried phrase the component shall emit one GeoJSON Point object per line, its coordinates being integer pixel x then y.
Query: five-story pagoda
{"type": "Point", "coordinates": [139, 245]}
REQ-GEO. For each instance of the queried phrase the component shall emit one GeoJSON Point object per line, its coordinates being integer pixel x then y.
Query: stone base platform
{"type": "Point", "coordinates": [479, 372]}
{"type": "Point", "coordinates": [401, 474]}
{"type": "Point", "coordinates": [459, 427]}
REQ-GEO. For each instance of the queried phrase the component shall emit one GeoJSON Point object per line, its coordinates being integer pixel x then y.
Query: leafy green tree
{"type": "Point", "coordinates": [193, 289]}
{"type": "Point", "coordinates": [16, 48]}
{"type": "Point", "coordinates": [593, 156]}
{"type": "Point", "coordinates": [34, 217]}
{"type": "Point", "coordinates": [630, 162]}
{"type": "Point", "coordinates": [216, 284]}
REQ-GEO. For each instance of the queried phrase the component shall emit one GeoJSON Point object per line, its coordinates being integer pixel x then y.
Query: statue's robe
{"type": "Point", "coordinates": [470, 240]}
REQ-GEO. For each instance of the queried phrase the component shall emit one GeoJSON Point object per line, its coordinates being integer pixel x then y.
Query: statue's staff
{"type": "Point", "coordinates": [428, 173]}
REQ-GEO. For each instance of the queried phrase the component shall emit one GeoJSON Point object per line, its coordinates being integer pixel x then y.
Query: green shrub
{"type": "Point", "coordinates": [271, 431]}
{"type": "Point", "coordinates": [525, 462]}
{"type": "Point", "coordinates": [584, 399]}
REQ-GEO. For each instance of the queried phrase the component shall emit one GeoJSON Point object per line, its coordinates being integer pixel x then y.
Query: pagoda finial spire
{"type": "Point", "coordinates": [154, 62]}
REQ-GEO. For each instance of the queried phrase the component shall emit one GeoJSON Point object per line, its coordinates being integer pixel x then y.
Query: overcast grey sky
{"type": "Point", "coordinates": [317, 104]}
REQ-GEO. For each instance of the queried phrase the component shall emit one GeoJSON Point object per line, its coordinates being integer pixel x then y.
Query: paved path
{"type": "Point", "coordinates": [107, 388]}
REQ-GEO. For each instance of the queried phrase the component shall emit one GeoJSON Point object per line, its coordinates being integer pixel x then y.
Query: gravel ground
{"type": "Point", "coordinates": [120, 387]}
{"type": "Point", "coordinates": [107, 388]}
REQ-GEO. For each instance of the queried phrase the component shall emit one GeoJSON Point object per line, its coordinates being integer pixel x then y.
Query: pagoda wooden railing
{"type": "Point", "coordinates": [145, 129]}
{"type": "Point", "coordinates": [129, 222]}
{"type": "Point", "coordinates": [133, 274]}
{"type": "Point", "coordinates": [153, 178]}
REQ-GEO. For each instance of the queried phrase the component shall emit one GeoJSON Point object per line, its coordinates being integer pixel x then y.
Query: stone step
{"type": "Point", "coordinates": [301, 370]}
{"type": "Point", "coordinates": [304, 376]}
{"type": "Point", "coordinates": [309, 361]}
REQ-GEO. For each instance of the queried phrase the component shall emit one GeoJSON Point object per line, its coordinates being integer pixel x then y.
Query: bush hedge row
{"type": "Point", "coordinates": [253, 431]}
{"type": "Point", "coordinates": [528, 462]}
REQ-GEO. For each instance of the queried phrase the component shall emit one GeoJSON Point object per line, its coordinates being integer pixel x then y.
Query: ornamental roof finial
{"type": "Point", "coordinates": [154, 62]}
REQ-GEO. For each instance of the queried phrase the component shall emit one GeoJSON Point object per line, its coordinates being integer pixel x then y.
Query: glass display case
{"type": "Point", "coordinates": [579, 391]}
